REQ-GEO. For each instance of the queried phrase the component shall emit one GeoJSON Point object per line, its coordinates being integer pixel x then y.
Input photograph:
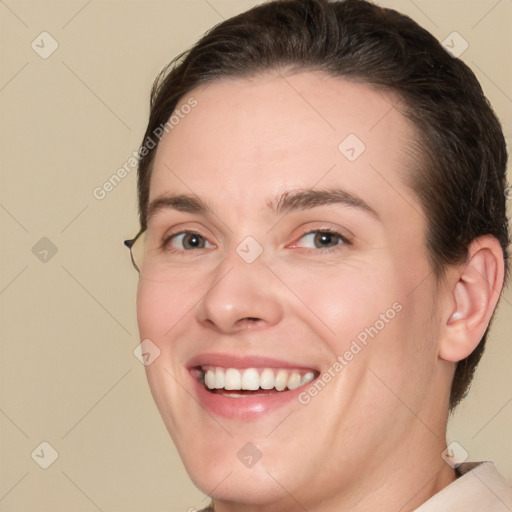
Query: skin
{"type": "Point", "coordinates": [372, 439]}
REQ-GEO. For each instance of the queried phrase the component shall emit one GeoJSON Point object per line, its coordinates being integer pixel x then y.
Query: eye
{"type": "Point", "coordinates": [187, 240]}
{"type": "Point", "coordinates": [321, 239]}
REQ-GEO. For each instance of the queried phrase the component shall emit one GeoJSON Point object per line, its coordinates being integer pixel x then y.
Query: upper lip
{"type": "Point", "coordinates": [242, 362]}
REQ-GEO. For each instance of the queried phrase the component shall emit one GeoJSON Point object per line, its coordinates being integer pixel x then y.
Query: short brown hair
{"type": "Point", "coordinates": [462, 181]}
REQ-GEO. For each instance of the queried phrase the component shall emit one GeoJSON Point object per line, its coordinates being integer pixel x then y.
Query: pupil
{"type": "Point", "coordinates": [193, 241]}
{"type": "Point", "coordinates": [325, 239]}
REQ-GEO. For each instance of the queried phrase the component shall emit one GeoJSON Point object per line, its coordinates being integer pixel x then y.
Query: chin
{"type": "Point", "coordinates": [250, 486]}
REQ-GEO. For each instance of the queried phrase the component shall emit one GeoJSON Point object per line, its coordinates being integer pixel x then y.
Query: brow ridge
{"type": "Point", "coordinates": [288, 201]}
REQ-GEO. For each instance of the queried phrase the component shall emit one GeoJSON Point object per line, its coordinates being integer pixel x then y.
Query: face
{"type": "Point", "coordinates": [285, 256]}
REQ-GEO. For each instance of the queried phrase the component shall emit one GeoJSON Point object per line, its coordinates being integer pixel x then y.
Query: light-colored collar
{"type": "Point", "coordinates": [479, 488]}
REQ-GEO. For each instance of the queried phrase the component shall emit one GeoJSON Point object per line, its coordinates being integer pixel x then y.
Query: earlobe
{"type": "Point", "coordinates": [475, 290]}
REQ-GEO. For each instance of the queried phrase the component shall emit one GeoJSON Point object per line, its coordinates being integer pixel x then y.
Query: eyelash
{"type": "Point", "coordinates": [343, 241]}
{"type": "Point", "coordinates": [166, 242]}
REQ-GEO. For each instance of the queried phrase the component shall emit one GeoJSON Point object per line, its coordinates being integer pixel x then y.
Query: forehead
{"type": "Point", "coordinates": [255, 137]}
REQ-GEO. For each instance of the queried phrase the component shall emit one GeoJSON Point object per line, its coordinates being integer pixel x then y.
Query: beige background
{"type": "Point", "coordinates": [68, 373]}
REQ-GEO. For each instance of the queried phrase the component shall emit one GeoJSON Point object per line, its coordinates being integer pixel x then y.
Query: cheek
{"type": "Point", "coordinates": [162, 312]}
{"type": "Point", "coordinates": [151, 311]}
{"type": "Point", "coordinates": [370, 318]}
{"type": "Point", "coordinates": [161, 307]}
{"type": "Point", "coordinates": [341, 303]}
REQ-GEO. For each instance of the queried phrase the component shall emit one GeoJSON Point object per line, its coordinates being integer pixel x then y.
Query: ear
{"type": "Point", "coordinates": [474, 289]}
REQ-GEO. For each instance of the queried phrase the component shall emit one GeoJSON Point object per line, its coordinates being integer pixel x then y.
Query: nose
{"type": "Point", "coordinates": [241, 296]}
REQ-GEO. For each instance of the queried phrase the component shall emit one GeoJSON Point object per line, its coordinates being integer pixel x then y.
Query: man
{"type": "Point", "coordinates": [323, 244]}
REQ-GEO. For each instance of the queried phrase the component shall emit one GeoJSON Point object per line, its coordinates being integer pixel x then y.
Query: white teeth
{"type": "Point", "coordinates": [252, 379]}
{"type": "Point", "coordinates": [267, 379]}
{"type": "Point", "coordinates": [220, 378]}
{"type": "Point", "coordinates": [233, 379]}
{"type": "Point", "coordinates": [307, 378]}
{"type": "Point", "coordinates": [293, 381]}
{"type": "Point", "coordinates": [209, 379]}
{"type": "Point", "coordinates": [281, 380]}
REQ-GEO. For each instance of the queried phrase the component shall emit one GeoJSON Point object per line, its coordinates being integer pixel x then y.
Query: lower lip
{"type": "Point", "coordinates": [245, 407]}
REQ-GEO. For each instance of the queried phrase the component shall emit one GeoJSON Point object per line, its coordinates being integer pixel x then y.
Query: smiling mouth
{"type": "Point", "coordinates": [236, 383]}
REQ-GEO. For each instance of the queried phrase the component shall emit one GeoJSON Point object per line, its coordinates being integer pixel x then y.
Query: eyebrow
{"type": "Point", "coordinates": [179, 202]}
{"type": "Point", "coordinates": [288, 201]}
{"type": "Point", "coordinates": [308, 199]}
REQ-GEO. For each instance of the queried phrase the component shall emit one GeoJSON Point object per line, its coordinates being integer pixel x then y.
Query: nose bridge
{"type": "Point", "coordinates": [242, 291]}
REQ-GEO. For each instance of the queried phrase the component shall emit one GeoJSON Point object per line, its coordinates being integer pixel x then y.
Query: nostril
{"type": "Point", "coordinates": [249, 322]}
